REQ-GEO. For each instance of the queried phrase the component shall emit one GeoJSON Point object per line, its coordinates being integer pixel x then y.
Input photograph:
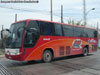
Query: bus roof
{"type": "Point", "coordinates": [54, 22]}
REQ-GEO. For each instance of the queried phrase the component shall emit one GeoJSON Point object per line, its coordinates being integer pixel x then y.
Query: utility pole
{"type": "Point", "coordinates": [15, 17]}
{"type": "Point", "coordinates": [2, 31]}
{"type": "Point", "coordinates": [2, 37]}
{"type": "Point", "coordinates": [51, 11]}
{"type": "Point", "coordinates": [84, 12]}
{"type": "Point", "coordinates": [61, 13]}
{"type": "Point", "coordinates": [98, 29]}
{"type": "Point", "coordinates": [97, 25]}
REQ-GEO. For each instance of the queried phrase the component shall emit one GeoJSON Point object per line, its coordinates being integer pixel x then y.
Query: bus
{"type": "Point", "coordinates": [45, 40]}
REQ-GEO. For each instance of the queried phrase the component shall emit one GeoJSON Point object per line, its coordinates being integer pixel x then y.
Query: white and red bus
{"type": "Point", "coordinates": [45, 40]}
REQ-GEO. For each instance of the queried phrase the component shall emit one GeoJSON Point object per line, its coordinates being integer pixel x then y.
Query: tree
{"type": "Point", "coordinates": [73, 22]}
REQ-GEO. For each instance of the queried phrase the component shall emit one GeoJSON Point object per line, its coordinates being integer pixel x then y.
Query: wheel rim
{"type": "Point", "coordinates": [85, 52]}
{"type": "Point", "coordinates": [47, 57]}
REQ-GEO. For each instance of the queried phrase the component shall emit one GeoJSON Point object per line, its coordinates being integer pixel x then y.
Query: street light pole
{"type": "Point", "coordinates": [87, 14]}
{"type": "Point", "coordinates": [89, 11]}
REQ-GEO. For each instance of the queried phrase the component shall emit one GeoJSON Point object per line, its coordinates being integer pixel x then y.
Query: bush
{"type": "Point", "coordinates": [98, 47]}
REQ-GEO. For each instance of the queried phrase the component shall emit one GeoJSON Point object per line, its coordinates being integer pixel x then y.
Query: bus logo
{"type": "Point", "coordinates": [77, 43]}
{"type": "Point", "coordinates": [91, 41]}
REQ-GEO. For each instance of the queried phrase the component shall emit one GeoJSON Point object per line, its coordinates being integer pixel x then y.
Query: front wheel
{"type": "Point", "coordinates": [47, 56]}
{"type": "Point", "coordinates": [85, 52]}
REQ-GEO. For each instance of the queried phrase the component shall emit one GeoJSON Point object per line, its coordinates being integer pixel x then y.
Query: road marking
{"type": "Point", "coordinates": [85, 71]}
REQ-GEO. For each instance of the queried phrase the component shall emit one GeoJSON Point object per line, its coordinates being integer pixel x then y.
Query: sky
{"type": "Point", "coordinates": [72, 9]}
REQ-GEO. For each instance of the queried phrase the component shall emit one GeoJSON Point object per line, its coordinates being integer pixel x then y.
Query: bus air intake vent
{"type": "Point", "coordinates": [62, 50]}
{"type": "Point", "coordinates": [67, 50]}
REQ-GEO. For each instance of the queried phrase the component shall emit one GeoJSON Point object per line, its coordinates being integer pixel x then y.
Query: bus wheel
{"type": "Point", "coordinates": [85, 52]}
{"type": "Point", "coordinates": [47, 56]}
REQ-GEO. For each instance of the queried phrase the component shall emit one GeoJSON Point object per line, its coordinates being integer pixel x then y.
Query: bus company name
{"type": "Point", "coordinates": [46, 39]}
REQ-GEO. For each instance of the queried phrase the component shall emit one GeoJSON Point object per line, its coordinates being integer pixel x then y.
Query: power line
{"type": "Point", "coordinates": [31, 10]}
{"type": "Point", "coordinates": [41, 11]}
{"type": "Point", "coordinates": [23, 9]}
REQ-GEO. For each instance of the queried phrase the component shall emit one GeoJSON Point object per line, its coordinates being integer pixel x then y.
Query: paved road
{"type": "Point", "coordinates": [74, 65]}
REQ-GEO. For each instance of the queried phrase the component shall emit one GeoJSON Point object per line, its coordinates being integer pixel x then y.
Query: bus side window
{"type": "Point", "coordinates": [29, 41]}
{"type": "Point", "coordinates": [46, 28]}
{"type": "Point", "coordinates": [33, 24]}
{"type": "Point", "coordinates": [58, 30]}
{"type": "Point", "coordinates": [85, 34]}
{"type": "Point", "coordinates": [68, 30]}
{"type": "Point", "coordinates": [31, 37]}
{"type": "Point", "coordinates": [78, 32]}
{"type": "Point", "coordinates": [95, 34]}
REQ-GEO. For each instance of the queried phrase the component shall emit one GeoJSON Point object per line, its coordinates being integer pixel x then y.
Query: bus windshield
{"type": "Point", "coordinates": [13, 40]}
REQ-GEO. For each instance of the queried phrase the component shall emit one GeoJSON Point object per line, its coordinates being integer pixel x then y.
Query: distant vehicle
{"type": "Point", "coordinates": [45, 40]}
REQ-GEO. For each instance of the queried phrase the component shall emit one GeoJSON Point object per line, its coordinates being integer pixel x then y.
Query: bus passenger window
{"type": "Point", "coordinates": [95, 34]}
{"type": "Point", "coordinates": [46, 28]}
{"type": "Point", "coordinates": [68, 31]}
{"type": "Point", "coordinates": [58, 30]}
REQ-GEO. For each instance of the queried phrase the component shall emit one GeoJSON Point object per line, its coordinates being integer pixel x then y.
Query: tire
{"type": "Point", "coordinates": [85, 52]}
{"type": "Point", "coordinates": [47, 56]}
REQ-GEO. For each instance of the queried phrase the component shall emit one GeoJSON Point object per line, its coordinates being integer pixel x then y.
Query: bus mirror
{"type": "Point", "coordinates": [8, 30]}
{"type": "Point", "coordinates": [4, 33]}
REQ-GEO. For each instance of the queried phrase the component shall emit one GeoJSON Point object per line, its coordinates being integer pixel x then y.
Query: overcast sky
{"type": "Point", "coordinates": [72, 9]}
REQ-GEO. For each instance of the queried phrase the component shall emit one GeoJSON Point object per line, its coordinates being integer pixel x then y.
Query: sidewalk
{"type": "Point", "coordinates": [2, 56]}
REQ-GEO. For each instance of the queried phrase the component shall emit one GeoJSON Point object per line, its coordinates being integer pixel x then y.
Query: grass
{"type": "Point", "coordinates": [2, 51]}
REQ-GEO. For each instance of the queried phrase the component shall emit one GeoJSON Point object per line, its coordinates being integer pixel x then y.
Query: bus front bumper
{"type": "Point", "coordinates": [14, 57]}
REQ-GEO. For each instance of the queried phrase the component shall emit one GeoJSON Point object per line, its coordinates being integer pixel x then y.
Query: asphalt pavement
{"type": "Point", "coordinates": [72, 65]}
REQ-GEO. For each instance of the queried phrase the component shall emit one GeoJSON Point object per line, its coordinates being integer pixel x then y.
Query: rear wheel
{"type": "Point", "coordinates": [85, 52]}
{"type": "Point", "coordinates": [47, 56]}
